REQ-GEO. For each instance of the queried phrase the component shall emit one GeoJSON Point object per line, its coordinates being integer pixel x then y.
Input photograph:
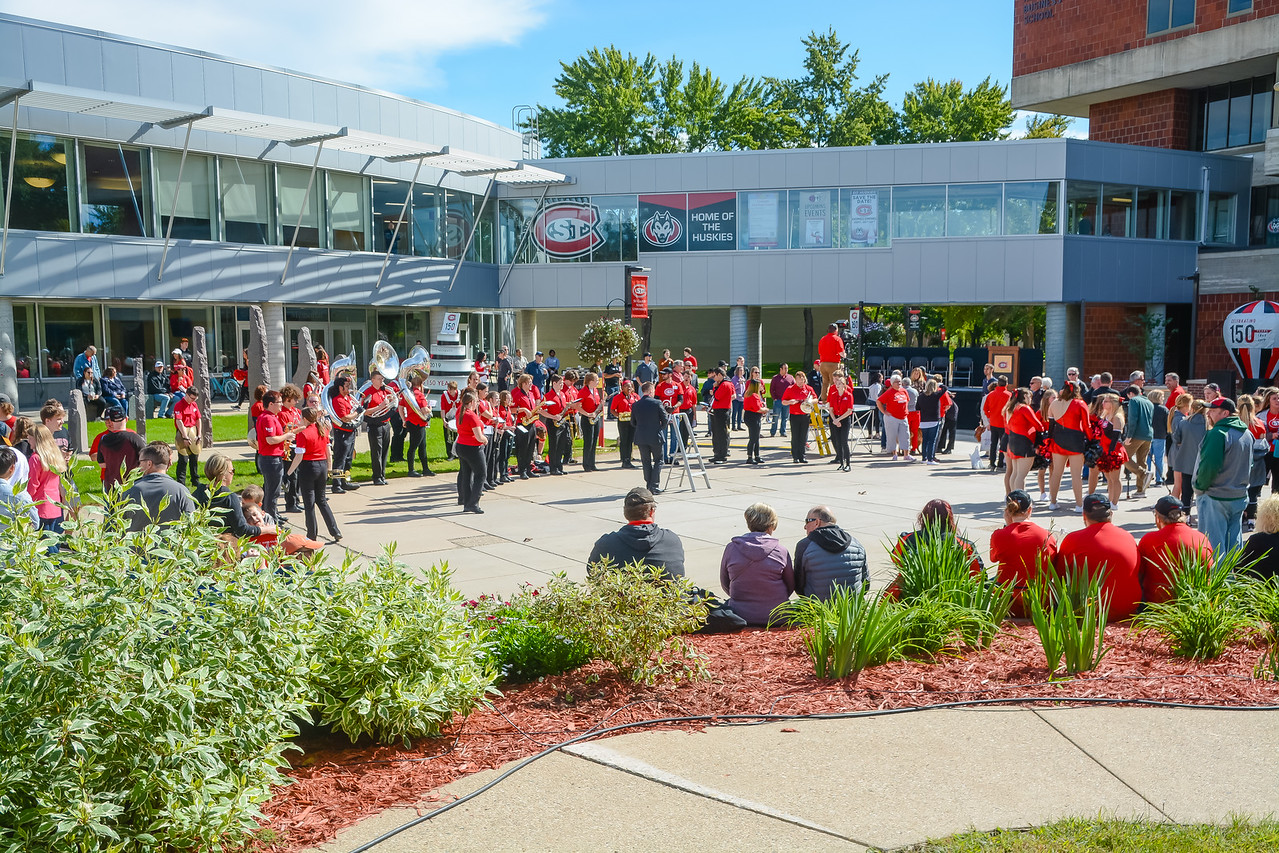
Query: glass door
{"type": "Point", "coordinates": [348, 337]}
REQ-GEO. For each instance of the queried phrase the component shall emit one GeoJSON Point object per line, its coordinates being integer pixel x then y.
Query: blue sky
{"type": "Point", "coordinates": [483, 57]}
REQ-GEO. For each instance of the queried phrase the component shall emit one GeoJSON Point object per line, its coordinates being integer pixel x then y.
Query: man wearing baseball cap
{"type": "Point", "coordinates": [1101, 546]}
{"type": "Point", "coordinates": [1161, 548]}
{"type": "Point", "coordinates": [1221, 476]}
{"type": "Point", "coordinates": [641, 540]}
{"type": "Point", "coordinates": [158, 395]}
{"type": "Point", "coordinates": [116, 450]}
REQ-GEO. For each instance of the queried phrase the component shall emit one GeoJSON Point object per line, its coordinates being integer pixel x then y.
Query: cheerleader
{"type": "Point", "coordinates": [1071, 430]}
{"type": "Point", "coordinates": [1024, 431]}
{"type": "Point", "coordinates": [1044, 450]}
{"type": "Point", "coordinates": [1106, 421]}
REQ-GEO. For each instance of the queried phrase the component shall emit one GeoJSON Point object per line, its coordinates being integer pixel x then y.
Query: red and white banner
{"type": "Point", "coordinates": [639, 296]}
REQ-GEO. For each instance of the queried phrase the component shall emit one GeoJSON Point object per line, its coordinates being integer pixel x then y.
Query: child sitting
{"type": "Point", "coordinates": [251, 497]}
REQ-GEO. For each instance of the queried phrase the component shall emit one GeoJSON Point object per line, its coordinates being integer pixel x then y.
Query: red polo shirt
{"type": "Point", "coordinates": [313, 444]}
{"type": "Point", "coordinates": [840, 404]}
{"type": "Point", "coordinates": [830, 347]}
{"type": "Point", "coordinates": [590, 401]}
{"type": "Point", "coordinates": [1158, 548]}
{"type": "Point", "coordinates": [1105, 545]}
{"type": "Point", "coordinates": [724, 395]}
{"type": "Point", "coordinates": [795, 395]}
{"type": "Point", "coordinates": [270, 425]}
{"type": "Point", "coordinates": [896, 401]}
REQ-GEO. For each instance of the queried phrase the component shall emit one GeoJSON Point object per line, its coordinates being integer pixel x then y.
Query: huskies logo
{"type": "Point", "coordinates": [457, 229]}
{"type": "Point", "coordinates": [568, 229]}
{"type": "Point", "coordinates": [662, 229]}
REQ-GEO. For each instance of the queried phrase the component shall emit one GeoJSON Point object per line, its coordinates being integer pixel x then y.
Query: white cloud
{"type": "Point", "coordinates": [385, 45]}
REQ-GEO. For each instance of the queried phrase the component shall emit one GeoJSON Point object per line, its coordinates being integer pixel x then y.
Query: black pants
{"type": "Point", "coordinates": [685, 430]}
{"type": "Point", "coordinates": [1250, 511]}
{"type": "Point", "coordinates": [998, 444]}
{"type": "Point", "coordinates": [417, 446]}
{"type": "Point", "coordinates": [839, 437]}
{"type": "Point", "coordinates": [470, 475]}
{"type": "Point", "coordinates": [492, 452]}
{"type": "Point", "coordinates": [651, 460]}
{"type": "Point", "coordinates": [312, 477]}
{"type": "Point", "coordinates": [946, 441]}
{"type": "Point", "coordinates": [558, 443]}
{"type": "Point", "coordinates": [590, 435]}
{"type": "Point", "coordinates": [1272, 472]}
{"type": "Point", "coordinates": [450, 437]}
{"type": "Point", "coordinates": [272, 468]}
{"type": "Point", "coordinates": [753, 421]}
{"type": "Point", "coordinates": [525, 447]}
{"type": "Point", "coordinates": [1187, 491]}
{"type": "Point", "coordinates": [191, 461]}
{"type": "Point", "coordinates": [626, 441]}
{"type": "Point", "coordinates": [399, 429]}
{"type": "Point", "coordinates": [343, 450]}
{"type": "Point", "coordinates": [799, 435]}
{"type": "Point", "coordinates": [719, 433]}
{"type": "Point", "coordinates": [290, 485]}
{"type": "Point", "coordinates": [379, 444]}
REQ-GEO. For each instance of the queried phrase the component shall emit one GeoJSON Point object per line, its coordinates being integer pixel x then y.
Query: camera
{"type": "Point", "coordinates": [849, 335]}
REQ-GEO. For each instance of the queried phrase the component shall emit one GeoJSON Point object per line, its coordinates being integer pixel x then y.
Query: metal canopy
{"type": "Point", "coordinates": [49, 96]}
{"type": "Point", "coordinates": [527, 174]}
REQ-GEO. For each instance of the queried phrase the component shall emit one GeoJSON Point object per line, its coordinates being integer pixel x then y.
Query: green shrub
{"type": "Point", "coordinates": [1208, 609]}
{"type": "Point", "coordinates": [1069, 611]}
{"type": "Point", "coordinates": [149, 687]}
{"type": "Point", "coordinates": [630, 616]}
{"type": "Point", "coordinates": [521, 647]}
{"type": "Point", "coordinates": [847, 632]}
{"type": "Point", "coordinates": [1261, 601]}
{"type": "Point", "coordinates": [394, 656]}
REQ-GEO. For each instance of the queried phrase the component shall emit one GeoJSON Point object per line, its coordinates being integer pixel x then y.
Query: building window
{"type": "Point", "coordinates": [348, 211]}
{"type": "Point", "coordinates": [1265, 217]}
{"type": "Point", "coordinates": [1164, 15]}
{"type": "Point", "coordinates": [41, 201]}
{"type": "Point", "coordinates": [68, 329]}
{"type": "Point", "coordinates": [1030, 207]}
{"type": "Point", "coordinates": [973, 210]}
{"type": "Point", "coordinates": [1221, 218]}
{"type": "Point", "coordinates": [292, 185]}
{"type": "Point", "coordinates": [1117, 211]}
{"type": "Point", "coordinates": [1234, 7]}
{"type": "Point", "coordinates": [812, 218]}
{"type": "Point", "coordinates": [427, 221]}
{"type": "Point", "coordinates": [619, 222]}
{"type": "Point", "coordinates": [1233, 114]}
{"type": "Point", "coordinates": [761, 219]}
{"type": "Point", "coordinates": [1082, 200]}
{"type": "Point", "coordinates": [193, 212]}
{"type": "Point", "coordinates": [863, 217]}
{"type": "Point", "coordinates": [244, 187]}
{"type": "Point", "coordinates": [131, 335]}
{"type": "Point", "coordinates": [24, 341]}
{"type": "Point", "coordinates": [389, 209]}
{"type": "Point", "coordinates": [919, 211]}
{"type": "Point", "coordinates": [116, 197]}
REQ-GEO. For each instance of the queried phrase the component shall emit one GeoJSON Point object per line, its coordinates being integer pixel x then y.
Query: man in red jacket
{"type": "Point", "coordinates": [993, 407]}
{"type": "Point", "coordinates": [1102, 546]}
{"type": "Point", "coordinates": [830, 356]}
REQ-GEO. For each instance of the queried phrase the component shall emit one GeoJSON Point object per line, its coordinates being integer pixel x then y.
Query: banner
{"type": "Point", "coordinates": [712, 221]}
{"type": "Point", "coordinates": [661, 222]}
{"type": "Point", "coordinates": [863, 219]}
{"type": "Point", "coordinates": [814, 217]}
{"type": "Point", "coordinates": [762, 220]}
{"type": "Point", "coordinates": [639, 296]}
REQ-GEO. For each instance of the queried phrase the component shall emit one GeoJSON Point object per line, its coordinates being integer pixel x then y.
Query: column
{"type": "Point", "coordinates": [1156, 334]}
{"type": "Point", "coordinates": [754, 336]}
{"type": "Point", "coordinates": [277, 348]}
{"type": "Point", "coordinates": [526, 331]}
{"type": "Point", "coordinates": [1061, 341]}
{"type": "Point", "coordinates": [8, 357]}
{"type": "Point", "coordinates": [437, 323]}
{"type": "Point", "coordinates": [738, 332]}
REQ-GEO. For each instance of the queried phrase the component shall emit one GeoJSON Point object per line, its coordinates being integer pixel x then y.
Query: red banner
{"type": "Point", "coordinates": [639, 296]}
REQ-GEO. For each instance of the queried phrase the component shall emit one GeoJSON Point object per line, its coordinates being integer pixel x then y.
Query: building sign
{"type": "Point", "coordinates": [855, 320]}
{"type": "Point", "coordinates": [1273, 226]}
{"type": "Point", "coordinates": [712, 221]}
{"type": "Point", "coordinates": [1038, 10]}
{"type": "Point", "coordinates": [568, 229]}
{"type": "Point", "coordinates": [457, 230]}
{"type": "Point", "coordinates": [814, 219]}
{"type": "Point", "coordinates": [451, 319]}
{"type": "Point", "coordinates": [762, 231]}
{"type": "Point", "coordinates": [639, 296]}
{"type": "Point", "coordinates": [1251, 333]}
{"type": "Point", "coordinates": [662, 223]}
{"type": "Point", "coordinates": [863, 219]}
{"type": "Point", "coordinates": [912, 318]}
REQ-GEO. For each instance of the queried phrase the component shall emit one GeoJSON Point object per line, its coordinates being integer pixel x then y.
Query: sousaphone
{"type": "Point", "coordinates": [417, 365]}
{"type": "Point", "coordinates": [386, 362]}
{"type": "Point", "coordinates": [344, 366]}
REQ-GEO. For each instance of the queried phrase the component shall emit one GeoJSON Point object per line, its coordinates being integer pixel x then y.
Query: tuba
{"type": "Point", "coordinates": [344, 366]}
{"type": "Point", "coordinates": [386, 362]}
{"type": "Point", "coordinates": [417, 364]}
{"type": "Point", "coordinates": [809, 405]}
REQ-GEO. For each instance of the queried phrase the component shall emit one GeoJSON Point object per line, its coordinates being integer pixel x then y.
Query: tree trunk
{"type": "Point", "coordinates": [808, 339]}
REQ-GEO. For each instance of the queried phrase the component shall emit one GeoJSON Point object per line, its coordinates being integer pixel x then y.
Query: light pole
{"type": "Point", "coordinates": [629, 269]}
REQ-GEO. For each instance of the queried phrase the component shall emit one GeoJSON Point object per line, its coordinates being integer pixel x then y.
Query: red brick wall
{"type": "Point", "coordinates": [1053, 33]}
{"type": "Point", "coordinates": [1156, 119]}
{"type": "Point", "coordinates": [1109, 332]}
{"type": "Point", "coordinates": [1210, 345]}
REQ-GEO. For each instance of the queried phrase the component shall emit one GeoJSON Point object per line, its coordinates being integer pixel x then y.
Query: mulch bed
{"type": "Point", "coordinates": [336, 784]}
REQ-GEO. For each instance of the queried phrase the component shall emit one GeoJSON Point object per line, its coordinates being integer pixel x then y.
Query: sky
{"type": "Point", "coordinates": [484, 57]}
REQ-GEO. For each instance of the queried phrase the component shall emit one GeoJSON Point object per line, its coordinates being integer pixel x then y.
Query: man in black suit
{"type": "Point", "coordinates": [649, 417]}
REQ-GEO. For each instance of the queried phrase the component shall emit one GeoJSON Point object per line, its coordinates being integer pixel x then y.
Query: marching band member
{"type": "Point", "coordinates": [290, 414]}
{"type": "Point", "coordinates": [378, 401]}
{"type": "Point", "coordinates": [450, 409]}
{"type": "Point", "coordinates": [670, 393]}
{"type": "Point", "coordinates": [273, 436]}
{"type": "Point", "coordinates": [689, 407]}
{"type": "Point", "coordinates": [621, 407]}
{"type": "Point", "coordinates": [526, 402]}
{"type": "Point", "coordinates": [754, 406]}
{"type": "Point", "coordinates": [312, 458]}
{"type": "Point", "coordinates": [796, 396]}
{"type": "Point", "coordinates": [591, 410]}
{"type": "Point", "coordinates": [555, 407]}
{"type": "Point", "coordinates": [186, 422]}
{"type": "Point", "coordinates": [416, 427]}
{"type": "Point", "coordinates": [840, 400]}
{"type": "Point", "coordinates": [506, 446]}
{"type": "Point", "coordinates": [721, 409]}
{"type": "Point", "coordinates": [470, 453]}
{"type": "Point", "coordinates": [344, 430]}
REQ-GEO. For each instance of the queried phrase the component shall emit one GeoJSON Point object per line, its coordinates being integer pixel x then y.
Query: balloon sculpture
{"type": "Point", "coordinates": [1252, 339]}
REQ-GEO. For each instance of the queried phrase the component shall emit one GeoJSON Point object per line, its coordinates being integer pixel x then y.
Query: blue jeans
{"type": "Point", "coordinates": [1156, 466]}
{"type": "Point", "coordinates": [739, 407]}
{"type": "Point", "coordinates": [928, 442]}
{"type": "Point", "coordinates": [163, 402]}
{"type": "Point", "coordinates": [1220, 521]}
{"type": "Point", "coordinates": [781, 414]}
{"type": "Point", "coordinates": [116, 401]}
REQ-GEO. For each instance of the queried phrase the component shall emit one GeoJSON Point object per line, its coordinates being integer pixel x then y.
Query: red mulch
{"type": "Point", "coordinates": [336, 784]}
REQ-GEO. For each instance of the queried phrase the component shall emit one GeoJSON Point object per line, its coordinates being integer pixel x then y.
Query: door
{"type": "Point", "coordinates": [347, 337]}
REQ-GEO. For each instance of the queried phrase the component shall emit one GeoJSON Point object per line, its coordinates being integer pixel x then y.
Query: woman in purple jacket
{"type": "Point", "coordinates": [756, 570]}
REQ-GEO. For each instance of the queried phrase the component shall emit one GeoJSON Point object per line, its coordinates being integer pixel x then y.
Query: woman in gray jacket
{"type": "Point", "coordinates": [1187, 435]}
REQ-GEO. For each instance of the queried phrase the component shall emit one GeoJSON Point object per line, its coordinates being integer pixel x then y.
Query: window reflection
{"type": "Point", "coordinates": [294, 199]}
{"type": "Point", "coordinates": [192, 213]}
{"type": "Point", "coordinates": [1117, 211]}
{"type": "Point", "coordinates": [973, 210]}
{"type": "Point", "coordinates": [388, 209]}
{"type": "Point", "coordinates": [348, 203]}
{"type": "Point", "coordinates": [245, 194]}
{"type": "Point", "coordinates": [919, 211]}
{"type": "Point", "coordinates": [1081, 207]}
{"type": "Point", "coordinates": [40, 198]}
{"type": "Point", "coordinates": [1030, 207]}
{"type": "Point", "coordinates": [115, 195]}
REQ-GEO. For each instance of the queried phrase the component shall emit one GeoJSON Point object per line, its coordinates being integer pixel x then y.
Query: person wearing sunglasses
{"type": "Point", "coordinates": [827, 557]}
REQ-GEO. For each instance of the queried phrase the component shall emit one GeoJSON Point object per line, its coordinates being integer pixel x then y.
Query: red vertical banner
{"type": "Point", "coordinates": [639, 296]}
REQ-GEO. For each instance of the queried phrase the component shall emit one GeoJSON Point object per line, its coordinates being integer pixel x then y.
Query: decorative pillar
{"type": "Point", "coordinates": [8, 355]}
{"type": "Point", "coordinates": [754, 336]}
{"type": "Point", "coordinates": [526, 331]}
{"type": "Point", "coordinates": [306, 358]}
{"type": "Point", "coordinates": [203, 387]}
{"type": "Point", "coordinates": [738, 332]}
{"type": "Point", "coordinates": [1156, 335]}
{"type": "Point", "coordinates": [259, 353]}
{"type": "Point", "coordinates": [277, 348]}
{"type": "Point", "coordinates": [1061, 341]}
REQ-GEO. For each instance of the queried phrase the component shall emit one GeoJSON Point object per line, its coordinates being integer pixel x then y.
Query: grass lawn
{"type": "Point", "coordinates": [1096, 836]}
{"type": "Point", "coordinates": [229, 433]}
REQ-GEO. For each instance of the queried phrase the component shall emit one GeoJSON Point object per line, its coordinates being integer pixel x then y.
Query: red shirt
{"type": "Point", "coordinates": [1114, 548]}
{"type": "Point", "coordinates": [290, 415]}
{"type": "Point", "coordinates": [466, 426]}
{"type": "Point", "coordinates": [1158, 548]}
{"type": "Point", "coordinates": [270, 425]}
{"type": "Point", "coordinates": [322, 368]}
{"type": "Point", "coordinates": [448, 404]}
{"type": "Point", "coordinates": [255, 411]}
{"type": "Point", "coordinates": [554, 403]}
{"type": "Point", "coordinates": [797, 394]}
{"type": "Point", "coordinates": [313, 444]}
{"type": "Point", "coordinates": [840, 404]}
{"type": "Point", "coordinates": [590, 401]}
{"type": "Point", "coordinates": [690, 397]}
{"type": "Point", "coordinates": [621, 404]}
{"type": "Point", "coordinates": [690, 360]}
{"type": "Point", "coordinates": [671, 393]}
{"type": "Point", "coordinates": [1272, 422]}
{"type": "Point", "coordinates": [411, 416]}
{"type": "Point", "coordinates": [187, 413]}
{"type": "Point", "coordinates": [994, 405]}
{"type": "Point", "coordinates": [896, 401]}
{"type": "Point", "coordinates": [526, 400]}
{"type": "Point", "coordinates": [343, 408]}
{"type": "Point", "coordinates": [181, 377]}
{"type": "Point", "coordinates": [830, 347]}
{"type": "Point", "coordinates": [754, 403]}
{"type": "Point", "coordinates": [1020, 550]}
{"type": "Point", "coordinates": [372, 398]}
{"type": "Point", "coordinates": [1025, 422]}
{"type": "Point", "coordinates": [725, 393]}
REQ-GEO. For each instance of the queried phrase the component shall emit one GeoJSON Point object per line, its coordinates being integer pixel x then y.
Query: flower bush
{"type": "Point", "coordinates": [520, 646]}
{"type": "Point", "coordinates": [607, 340]}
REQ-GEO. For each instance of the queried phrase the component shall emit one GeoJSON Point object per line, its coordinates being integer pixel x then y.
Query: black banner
{"type": "Point", "coordinates": [712, 221]}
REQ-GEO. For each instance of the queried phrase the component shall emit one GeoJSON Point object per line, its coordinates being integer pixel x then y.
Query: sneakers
{"type": "Point", "coordinates": [908, 458]}
{"type": "Point", "coordinates": [1138, 494]}
{"type": "Point", "coordinates": [1043, 496]}
{"type": "Point", "coordinates": [1079, 510]}
{"type": "Point", "coordinates": [1053, 507]}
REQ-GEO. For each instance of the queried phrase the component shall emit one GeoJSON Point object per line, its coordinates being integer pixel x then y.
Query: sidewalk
{"type": "Point", "coordinates": [849, 785]}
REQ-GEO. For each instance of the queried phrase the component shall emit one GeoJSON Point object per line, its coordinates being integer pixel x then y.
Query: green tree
{"type": "Point", "coordinates": [1047, 126]}
{"type": "Point", "coordinates": [608, 106]}
{"type": "Point", "coordinates": [945, 112]}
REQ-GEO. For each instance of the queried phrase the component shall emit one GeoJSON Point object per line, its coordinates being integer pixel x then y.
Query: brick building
{"type": "Point", "coordinates": [1192, 75]}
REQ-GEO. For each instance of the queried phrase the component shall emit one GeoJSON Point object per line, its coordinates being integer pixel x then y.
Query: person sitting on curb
{"type": "Point", "coordinates": [1020, 549]}
{"type": "Point", "coordinates": [1161, 548]}
{"type": "Point", "coordinates": [937, 518]}
{"type": "Point", "coordinates": [1103, 547]}
{"type": "Point", "coordinates": [641, 540]}
{"type": "Point", "coordinates": [828, 557]}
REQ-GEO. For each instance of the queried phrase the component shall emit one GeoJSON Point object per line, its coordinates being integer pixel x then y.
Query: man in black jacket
{"type": "Point", "coordinates": [641, 540]}
{"type": "Point", "coordinates": [158, 392]}
{"type": "Point", "coordinates": [649, 417]}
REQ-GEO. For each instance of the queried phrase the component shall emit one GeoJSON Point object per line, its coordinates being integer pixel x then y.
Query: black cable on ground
{"type": "Point", "coordinates": [716, 719]}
